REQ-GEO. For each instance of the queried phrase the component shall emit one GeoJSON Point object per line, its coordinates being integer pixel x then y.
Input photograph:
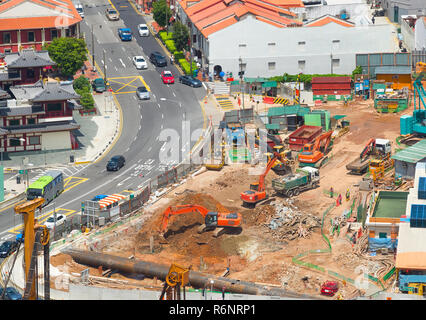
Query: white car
{"type": "Point", "coordinates": [60, 219]}
{"type": "Point", "coordinates": [140, 62]}
{"type": "Point", "coordinates": [143, 30]}
{"type": "Point", "coordinates": [79, 8]}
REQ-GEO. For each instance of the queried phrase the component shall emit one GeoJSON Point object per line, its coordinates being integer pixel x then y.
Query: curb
{"type": "Point", "coordinates": [12, 201]}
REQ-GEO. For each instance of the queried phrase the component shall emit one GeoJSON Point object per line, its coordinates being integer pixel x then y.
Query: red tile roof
{"type": "Point", "coordinates": [328, 19]}
{"type": "Point", "coordinates": [67, 15]}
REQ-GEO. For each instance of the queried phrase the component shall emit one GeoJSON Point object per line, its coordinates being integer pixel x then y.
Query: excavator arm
{"type": "Point", "coordinates": [181, 209]}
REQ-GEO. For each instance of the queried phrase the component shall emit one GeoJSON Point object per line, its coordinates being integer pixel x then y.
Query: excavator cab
{"type": "Point", "coordinates": [211, 220]}
{"type": "Point", "coordinates": [308, 148]}
{"type": "Point", "coordinates": [254, 186]}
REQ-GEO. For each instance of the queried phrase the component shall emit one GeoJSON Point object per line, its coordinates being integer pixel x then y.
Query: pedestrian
{"type": "Point", "coordinates": [223, 293]}
{"type": "Point", "coordinates": [340, 198]}
{"type": "Point", "coordinates": [331, 192]}
{"type": "Point", "coordinates": [172, 59]}
{"type": "Point", "coordinates": [348, 195]}
{"type": "Point", "coordinates": [372, 20]}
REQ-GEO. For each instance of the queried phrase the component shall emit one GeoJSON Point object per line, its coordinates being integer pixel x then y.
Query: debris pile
{"type": "Point", "coordinates": [289, 223]}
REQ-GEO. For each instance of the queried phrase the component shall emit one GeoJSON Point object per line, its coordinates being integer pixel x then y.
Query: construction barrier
{"type": "Point", "coordinates": [269, 100]}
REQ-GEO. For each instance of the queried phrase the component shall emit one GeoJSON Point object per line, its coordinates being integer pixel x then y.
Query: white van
{"type": "Point", "coordinates": [80, 10]}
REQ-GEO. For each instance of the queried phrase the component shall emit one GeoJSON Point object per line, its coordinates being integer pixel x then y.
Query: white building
{"type": "Point", "coordinates": [271, 41]}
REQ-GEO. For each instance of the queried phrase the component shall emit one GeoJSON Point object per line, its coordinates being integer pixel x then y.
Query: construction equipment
{"type": "Point", "coordinates": [291, 185]}
{"type": "Point", "coordinates": [257, 191]}
{"type": "Point", "coordinates": [314, 154]}
{"type": "Point", "coordinates": [217, 166]}
{"type": "Point", "coordinates": [283, 165]}
{"type": "Point", "coordinates": [377, 147]}
{"type": "Point", "coordinates": [417, 288]}
{"type": "Point", "coordinates": [34, 234]}
{"type": "Point", "coordinates": [217, 221]}
{"type": "Point", "coordinates": [329, 288]}
{"type": "Point", "coordinates": [176, 277]}
{"type": "Point", "coordinates": [378, 167]}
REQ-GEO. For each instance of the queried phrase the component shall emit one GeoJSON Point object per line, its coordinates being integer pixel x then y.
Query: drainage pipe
{"type": "Point", "coordinates": [196, 279]}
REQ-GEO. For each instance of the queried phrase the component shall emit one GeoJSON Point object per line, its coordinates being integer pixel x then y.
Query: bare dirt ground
{"type": "Point", "coordinates": [254, 254]}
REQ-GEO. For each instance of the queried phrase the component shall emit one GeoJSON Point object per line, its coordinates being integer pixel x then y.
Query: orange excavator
{"type": "Point", "coordinates": [313, 154]}
{"type": "Point", "coordinates": [217, 221]}
{"type": "Point", "coordinates": [257, 191]}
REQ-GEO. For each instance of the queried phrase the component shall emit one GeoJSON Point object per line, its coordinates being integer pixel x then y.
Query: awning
{"type": "Point", "coordinates": [251, 80]}
{"type": "Point", "coordinates": [105, 202]}
{"type": "Point", "coordinates": [269, 84]}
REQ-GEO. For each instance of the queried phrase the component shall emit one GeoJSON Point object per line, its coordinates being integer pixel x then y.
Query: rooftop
{"type": "Point", "coordinates": [49, 91]}
{"type": "Point", "coordinates": [37, 14]}
{"type": "Point", "coordinates": [28, 58]}
{"type": "Point", "coordinates": [412, 154]}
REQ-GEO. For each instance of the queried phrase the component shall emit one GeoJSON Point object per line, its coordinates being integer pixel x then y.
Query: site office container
{"type": "Point", "coordinates": [331, 85]}
{"type": "Point", "coordinates": [305, 134]}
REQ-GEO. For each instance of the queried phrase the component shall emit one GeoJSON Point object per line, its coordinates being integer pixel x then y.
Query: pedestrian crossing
{"type": "Point", "coordinates": [224, 102]}
{"type": "Point", "coordinates": [67, 171]}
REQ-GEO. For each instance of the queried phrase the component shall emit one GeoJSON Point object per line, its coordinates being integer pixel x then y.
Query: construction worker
{"type": "Point", "coordinates": [331, 192]}
{"type": "Point", "coordinates": [339, 200]}
{"type": "Point", "coordinates": [348, 195]}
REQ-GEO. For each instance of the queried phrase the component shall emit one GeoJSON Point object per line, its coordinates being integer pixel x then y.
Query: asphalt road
{"type": "Point", "coordinates": [143, 121]}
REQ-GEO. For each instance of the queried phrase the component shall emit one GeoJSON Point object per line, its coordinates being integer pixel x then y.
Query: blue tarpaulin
{"type": "Point", "coordinates": [382, 243]}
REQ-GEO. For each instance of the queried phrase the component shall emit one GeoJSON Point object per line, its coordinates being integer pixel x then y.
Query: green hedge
{"type": "Point", "coordinates": [186, 67]}
{"type": "Point", "coordinates": [164, 36]}
{"type": "Point", "coordinates": [178, 55]}
{"type": "Point", "coordinates": [170, 44]}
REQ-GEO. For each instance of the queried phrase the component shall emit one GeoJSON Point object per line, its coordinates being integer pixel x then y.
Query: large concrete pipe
{"type": "Point", "coordinates": [196, 279]}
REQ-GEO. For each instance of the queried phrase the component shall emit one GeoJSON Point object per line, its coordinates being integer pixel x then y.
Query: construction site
{"type": "Point", "coordinates": [301, 226]}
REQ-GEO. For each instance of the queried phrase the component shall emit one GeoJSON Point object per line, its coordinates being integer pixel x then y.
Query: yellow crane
{"type": "Point", "coordinates": [30, 228]}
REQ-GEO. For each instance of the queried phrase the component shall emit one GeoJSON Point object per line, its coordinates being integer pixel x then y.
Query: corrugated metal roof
{"type": "Point", "coordinates": [331, 79]}
{"type": "Point", "coordinates": [412, 154]}
{"type": "Point", "coordinates": [393, 70]}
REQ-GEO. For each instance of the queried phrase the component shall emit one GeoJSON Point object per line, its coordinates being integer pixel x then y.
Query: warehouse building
{"type": "Point", "coordinates": [407, 159]}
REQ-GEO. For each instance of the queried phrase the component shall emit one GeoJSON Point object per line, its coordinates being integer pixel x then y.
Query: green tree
{"type": "Point", "coordinates": [87, 100]}
{"type": "Point", "coordinates": [180, 35]}
{"type": "Point", "coordinates": [161, 12]}
{"type": "Point", "coordinates": [81, 83]}
{"type": "Point", "coordinates": [68, 53]}
{"type": "Point", "coordinates": [357, 70]}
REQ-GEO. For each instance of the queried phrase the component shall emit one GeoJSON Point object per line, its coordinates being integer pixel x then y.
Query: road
{"type": "Point", "coordinates": [143, 121]}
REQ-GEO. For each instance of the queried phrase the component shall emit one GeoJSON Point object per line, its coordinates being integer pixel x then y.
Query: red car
{"type": "Point", "coordinates": [167, 77]}
{"type": "Point", "coordinates": [329, 288]}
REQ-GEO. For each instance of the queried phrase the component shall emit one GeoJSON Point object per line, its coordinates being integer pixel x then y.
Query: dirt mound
{"type": "Point", "coordinates": [258, 216]}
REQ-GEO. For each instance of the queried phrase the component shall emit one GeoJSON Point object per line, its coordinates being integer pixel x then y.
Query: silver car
{"type": "Point", "coordinates": [142, 93]}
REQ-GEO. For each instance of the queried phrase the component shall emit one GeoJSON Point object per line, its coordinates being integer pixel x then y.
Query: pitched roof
{"type": "Point", "coordinates": [28, 58]}
{"type": "Point", "coordinates": [321, 21]}
{"type": "Point", "coordinates": [412, 154]}
{"type": "Point", "coordinates": [49, 91]}
{"type": "Point", "coordinates": [210, 16]}
{"type": "Point", "coordinates": [37, 14]}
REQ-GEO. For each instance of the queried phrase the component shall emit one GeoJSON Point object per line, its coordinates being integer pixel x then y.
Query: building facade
{"type": "Point", "coordinates": [394, 9]}
{"type": "Point", "coordinates": [32, 23]}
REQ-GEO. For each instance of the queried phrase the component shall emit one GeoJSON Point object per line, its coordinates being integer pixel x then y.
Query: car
{"type": "Point", "coordinates": [167, 77]}
{"type": "Point", "coordinates": [140, 62]}
{"type": "Point", "coordinates": [112, 14]}
{"type": "Point", "coordinates": [190, 81]}
{"type": "Point", "coordinates": [99, 85]}
{"type": "Point", "coordinates": [125, 34]}
{"type": "Point", "coordinates": [79, 8]}
{"type": "Point", "coordinates": [142, 93]}
{"type": "Point", "coordinates": [115, 163]}
{"type": "Point", "coordinates": [7, 248]}
{"type": "Point", "coordinates": [60, 219]}
{"type": "Point", "coordinates": [143, 30]}
{"type": "Point", "coordinates": [10, 294]}
{"type": "Point", "coordinates": [158, 59]}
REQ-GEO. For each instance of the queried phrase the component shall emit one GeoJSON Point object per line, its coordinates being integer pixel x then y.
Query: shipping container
{"type": "Point", "coordinates": [331, 85]}
{"type": "Point", "coordinates": [305, 134]}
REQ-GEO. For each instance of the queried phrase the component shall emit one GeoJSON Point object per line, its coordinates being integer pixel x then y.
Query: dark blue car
{"type": "Point", "coordinates": [190, 81]}
{"type": "Point", "coordinates": [11, 294]}
{"type": "Point", "coordinates": [125, 34]}
{"type": "Point", "coordinates": [7, 248]}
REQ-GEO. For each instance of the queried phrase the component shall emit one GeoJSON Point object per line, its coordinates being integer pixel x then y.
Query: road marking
{"type": "Point", "coordinates": [139, 127]}
{"type": "Point", "coordinates": [102, 61]}
{"type": "Point", "coordinates": [71, 183]}
{"type": "Point", "coordinates": [174, 93]}
{"type": "Point", "coordinates": [124, 50]}
{"type": "Point", "coordinates": [162, 116]}
{"type": "Point", "coordinates": [158, 105]}
{"type": "Point", "coordinates": [121, 183]}
{"type": "Point", "coordinates": [134, 97]}
{"type": "Point", "coordinates": [149, 149]}
{"type": "Point", "coordinates": [110, 59]}
{"type": "Point", "coordinates": [122, 61]}
{"type": "Point", "coordinates": [115, 68]}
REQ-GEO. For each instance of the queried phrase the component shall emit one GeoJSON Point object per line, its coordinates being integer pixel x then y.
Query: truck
{"type": "Point", "coordinates": [304, 135]}
{"type": "Point", "coordinates": [292, 184]}
{"type": "Point", "coordinates": [378, 147]}
{"type": "Point", "coordinates": [358, 166]}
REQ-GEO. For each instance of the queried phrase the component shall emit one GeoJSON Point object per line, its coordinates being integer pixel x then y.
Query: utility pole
{"type": "Point", "coordinates": [331, 62]}
{"type": "Point", "coordinates": [167, 21]}
{"type": "Point", "coordinates": [105, 77]}
{"type": "Point", "coordinates": [241, 74]}
{"type": "Point", "coordinates": [93, 49]}
{"type": "Point", "coordinates": [190, 47]}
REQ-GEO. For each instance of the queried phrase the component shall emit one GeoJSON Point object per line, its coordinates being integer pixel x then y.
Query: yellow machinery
{"type": "Point", "coordinates": [31, 230]}
{"type": "Point", "coordinates": [217, 167]}
{"type": "Point", "coordinates": [377, 169]}
{"type": "Point", "coordinates": [176, 277]}
{"type": "Point", "coordinates": [282, 168]}
{"type": "Point", "coordinates": [417, 288]}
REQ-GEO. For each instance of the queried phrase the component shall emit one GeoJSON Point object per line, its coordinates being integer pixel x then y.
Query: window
{"type": "Point", "coordinates": [301, 43]}
{"type": "Point", "coordinates": [6, 37]}
{"type": "Point", "coordinates": [271, 44]}
{"type": "Point", "coordinates": [242, 45]}
{"type": "Point", "coordinates": [54, 107]}
{"type": "Point", "coordinates": [382, 235]}
{"type": "Point", "coordinates": [14, 122]}
{"type": "Point", "coordinates": [30, 73]}
{"type": "Point", "coordinates": [7, 50]}
{"type": "Point", "coordinates": [15, 142]}
{"type": "Point", "coordinates": [31, 36]}
{"type": "Point", "coordinates": [271, 65]}
{"type": "Point", "coordinates": [301, 64]}
{"type": "Point", "coordinates": [336, 41]}
{"type": "Point", "coordinates": [31, 121]}
{"type": "Point", "coordinates": [336, 62]}
{"type": "Point", "coordinates": [54, 33]}
{"type": "Point", "coordinates": [34, 140]}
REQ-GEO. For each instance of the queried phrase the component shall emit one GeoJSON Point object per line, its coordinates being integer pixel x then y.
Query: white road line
{"type": "Point", "coordinates": [162, 116]}
{"type": "Point", "coordinates": [174, 93]}
{"type": "Point", "coordinates": [134, 139]}
{"type": "Point", "coordinates": [124, 50]}
{"type": "Point", "coordinates": [140, 127]}
{"type": "Point", "coordinates": [129, 58]}
{"type": "Point", "coordinates": [149, 149]}
{"type": "Point", "coordinates": [102, 61]}
{"type": "Point", "coordinates": [154, 96]}
{"type": "Point", "coordinates": [106, 67]}
{"type": "Point", "coordinates": [141, 116]}
{"type": "Point", "coordinates": [134, 97]}
{"type": "Point", "coordinates": [119, 184]}
{"type": "Point", "coordinates": [122, 62]}
{"type": "Point", "coordinates": [110, 59]}
{"type": "Point", "coordinates": [204, 85]}
{"type": "Point", "coordinates": [115, 68]}
{"type": "Point", "coordinates": [158, 105]}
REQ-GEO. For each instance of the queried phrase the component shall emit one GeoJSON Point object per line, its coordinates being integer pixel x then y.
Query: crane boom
{"type": "Point", "coordinates": [270, 164]}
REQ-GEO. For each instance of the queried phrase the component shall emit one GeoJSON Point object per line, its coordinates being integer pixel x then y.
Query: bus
{"type": "Point", "coordinates": [48, 186]}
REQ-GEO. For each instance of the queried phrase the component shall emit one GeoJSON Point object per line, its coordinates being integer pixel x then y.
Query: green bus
{"type": "Point", "coordinates": [48, 186]}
